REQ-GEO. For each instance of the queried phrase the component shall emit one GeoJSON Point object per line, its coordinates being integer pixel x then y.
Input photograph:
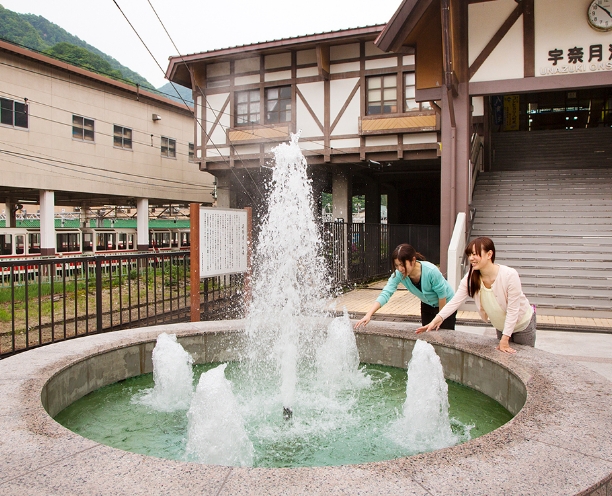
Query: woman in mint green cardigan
{"type": "Point", "coordinates": [423, 279]}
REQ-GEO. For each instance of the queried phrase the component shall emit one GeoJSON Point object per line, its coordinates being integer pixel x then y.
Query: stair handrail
{"type": "Point", "coordinates": [476, 160]}
{"type": "Point", "coordinates": [456, 248]}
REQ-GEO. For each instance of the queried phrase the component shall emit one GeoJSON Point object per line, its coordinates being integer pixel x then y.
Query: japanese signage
{"type": "Point", "coordinates": [498, 109]}
{"type": "Point", "coordinates": [511, 113]}
{"type": "Point", "coordinates": [223, 241]}
{"type": "Point", "coordinates": [578, 59]}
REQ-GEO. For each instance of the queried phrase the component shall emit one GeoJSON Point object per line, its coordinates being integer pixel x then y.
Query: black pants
{"type": "Point", "coordinates": [428, 313]}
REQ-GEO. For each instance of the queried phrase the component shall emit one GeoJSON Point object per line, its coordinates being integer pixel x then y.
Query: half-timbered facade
{"type": "Point", "coordinates": [500, 67]}
{"type": "Point", "coordinates": [361, 129]}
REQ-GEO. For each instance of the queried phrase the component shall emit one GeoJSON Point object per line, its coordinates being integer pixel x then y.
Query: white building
{"type": "Point", "coordinates": [73, 138]}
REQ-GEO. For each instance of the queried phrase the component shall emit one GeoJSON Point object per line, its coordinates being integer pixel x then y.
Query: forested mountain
{"type": "Point", "coordinates": [37, 33]}
{"type": "Point", "coordinates": [169, 91]}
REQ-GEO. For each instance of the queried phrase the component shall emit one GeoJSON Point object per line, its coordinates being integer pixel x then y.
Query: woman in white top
{"type": "Point", "coordinates": [496, 290]}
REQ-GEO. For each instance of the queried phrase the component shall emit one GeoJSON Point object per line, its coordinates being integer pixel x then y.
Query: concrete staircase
{"type": "Point", "coordinates": [547, 205]}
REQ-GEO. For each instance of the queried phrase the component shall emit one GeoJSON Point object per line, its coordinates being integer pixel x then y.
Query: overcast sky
{"type": "Point", "coordinates": [197, 25]}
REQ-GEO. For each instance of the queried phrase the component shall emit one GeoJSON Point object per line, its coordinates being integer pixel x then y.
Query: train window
{"type": "Point", "coordinates": [6, 244]}
{"type": "Point", "coordinates": [33, 243]}
{"type": "Point", "coordinates": [159, 239]}
{"type": "Point", "coordinates": [19, 244]}
{"type": "Point", "coordinates": [105, 242]}
{"type": "Point", "coordinates": [185, 239]}
{"type": "Point", "coordinates": [87, 242]}
{"type": "Point", "coordinates": [130, 244]}
{"type": "Point", "coordinates": [68, 242]}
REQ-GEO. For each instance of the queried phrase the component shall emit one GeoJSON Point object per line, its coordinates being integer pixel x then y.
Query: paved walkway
{"type": "Point", "coordinates": [581, 339]}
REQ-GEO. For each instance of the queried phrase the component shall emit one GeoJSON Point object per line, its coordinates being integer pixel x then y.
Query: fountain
{"type": "Point", "coordinates": [172, 375]}
{"type": "Point", "coordinates": [300, 362]}
{"type": "Point", "coordinates": [425, 424]}
{"type": "Point", "coordinates": [216, 432]}
{"type": "Point", "coordinates": [289, 286]}
{"type": "Point", "coordinates": [558, 440]}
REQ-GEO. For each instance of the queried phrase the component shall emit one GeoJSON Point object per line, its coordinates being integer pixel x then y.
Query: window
{"type": "Point", "coordinates": [168, 147]}
{"type": "Point", "coordinates": [82, 128]}
{"type": "Point", "coordinates": [278, 104]}
{"type": "Point", "coordinates": [247, 107]}
{"type": "Point", "coordinates": [122, 137]}
{"type": "Point", "coordinates": [410, 103]}
{"type": "Point", "coordinates": [382, 94]}
{"type": "Point", "coordinates": [19, 244]}
{"type": "Point", "coordinates": [13, 113]}
{"type": "Point", "coordinates": [6, 244]}
{"type": "Point", "coordinates": [191, 154]}
{"type": "Point", "coordinates": [67, 242]}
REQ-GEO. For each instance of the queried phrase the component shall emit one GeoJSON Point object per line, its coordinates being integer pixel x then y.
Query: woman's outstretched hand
{"type": "Point", "coordinates": [434, 325]}
{"type": "Point", "coordinates": [363, 322]}
{"type": "Point", "coordinates": [504, 345]}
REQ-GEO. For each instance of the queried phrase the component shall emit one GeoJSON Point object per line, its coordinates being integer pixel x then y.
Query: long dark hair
{"type": "Point", "coordinates": [404, 253]}
{"type": "Point", "coordinates": [477, 246]}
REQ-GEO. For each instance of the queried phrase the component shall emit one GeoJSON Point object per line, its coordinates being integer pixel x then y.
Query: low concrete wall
{"type": "Point", "coordinates": [559, 442]}
{"type": "Point", "coordinates": [460, 366]}
{"type": "Point", "coordinates": [96, 371]}
{"type": "Point", "coordinates": [102, 369]}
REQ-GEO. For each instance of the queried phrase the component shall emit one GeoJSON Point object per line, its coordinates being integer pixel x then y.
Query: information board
{"type": "Point", "coordinates": [223, 241]}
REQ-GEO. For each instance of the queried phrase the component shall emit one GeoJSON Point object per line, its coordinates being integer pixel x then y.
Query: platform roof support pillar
{"type": "Point", "coordinates": [47, 222]}
{"type": "Point", "coordinates": [142, 224]}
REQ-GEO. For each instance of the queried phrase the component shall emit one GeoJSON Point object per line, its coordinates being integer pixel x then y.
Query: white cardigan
{"type": "Point", "coordinates": [508, 293]}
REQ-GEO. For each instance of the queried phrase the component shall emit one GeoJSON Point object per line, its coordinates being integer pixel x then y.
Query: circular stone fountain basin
{"type": "Point", "coordinates": [559, 442]}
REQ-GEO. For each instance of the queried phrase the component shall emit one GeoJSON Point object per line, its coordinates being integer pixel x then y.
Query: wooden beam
{"type": "Point", "coordinates": [323, 61]}
{"type": "Point", "coordinates": [546, 83]}
{"type": "Point", "coordinates": [497, 37]}
{"type": "Point", "coordinates": [194, 266]}
{"type": "Point", "coordinates": [401, 25]}
{"type": "Point", "coordinates": [310, 111]}
{"type": "Point", "coordinates": [528, 39]}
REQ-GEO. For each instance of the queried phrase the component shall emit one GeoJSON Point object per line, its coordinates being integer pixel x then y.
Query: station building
{"type": "Point", "coordinates": [361, 129]}
{"type": "Point", "coordinates": [525, 92]}
{"type": "Point", "coordinates": [75, 140]}
{"type": "Point", "coordinates": [496, 111]}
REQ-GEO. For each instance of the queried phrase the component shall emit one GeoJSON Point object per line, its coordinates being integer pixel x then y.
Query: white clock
{"type": "Point", "coordinates": [599, 15]}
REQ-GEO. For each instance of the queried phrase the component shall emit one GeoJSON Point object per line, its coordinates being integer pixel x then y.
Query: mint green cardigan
{"type": "Point", "coordinates": [433, 286]}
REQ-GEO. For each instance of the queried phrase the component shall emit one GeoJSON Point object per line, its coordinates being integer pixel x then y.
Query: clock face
{"type": "Point", "coordinates": [600, 15]}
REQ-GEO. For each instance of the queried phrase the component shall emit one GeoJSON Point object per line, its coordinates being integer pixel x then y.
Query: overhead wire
{"type": "Point", "coordinates": [195, 116]}
{"type": "Point", "coordinates": [96, 130]}
{"type": "Point", "coordinates": [54, 163]}
{"type": "Point", "coordinates": [214, 111]}
{"type": "Point", "coordinates": [172, 83]}
{"type": "Point", "coordinates": [130, 82]}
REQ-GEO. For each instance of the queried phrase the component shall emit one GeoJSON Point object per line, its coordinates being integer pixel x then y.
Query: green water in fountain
{"type": "Point", "coordinates": [317, 435]}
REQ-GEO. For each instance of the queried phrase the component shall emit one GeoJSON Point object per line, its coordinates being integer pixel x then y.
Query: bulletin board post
{"type": "Point", "coordinates": [220, 246]}
{"type": "Point", "coordinates": [194, 229]}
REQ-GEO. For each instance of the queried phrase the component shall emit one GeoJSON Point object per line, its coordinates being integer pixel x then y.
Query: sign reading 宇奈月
{"type": "Point", "coordinates": [578, 59]}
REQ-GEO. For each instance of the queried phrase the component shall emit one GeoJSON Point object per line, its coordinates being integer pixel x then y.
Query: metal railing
{"type": "Point", "coordinates": [476, 160]}
{"type": "Point", "coordinates": [45, 300]}
{"type": "Point", "coordinates": [360, 252]}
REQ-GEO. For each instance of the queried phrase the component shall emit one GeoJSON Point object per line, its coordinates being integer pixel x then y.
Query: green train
{"type": "Point", "coordinates": [110, 236]}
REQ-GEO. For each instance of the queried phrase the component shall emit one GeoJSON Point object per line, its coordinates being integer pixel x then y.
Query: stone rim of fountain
{"type": "Point", "coordinates": [560, 442]}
